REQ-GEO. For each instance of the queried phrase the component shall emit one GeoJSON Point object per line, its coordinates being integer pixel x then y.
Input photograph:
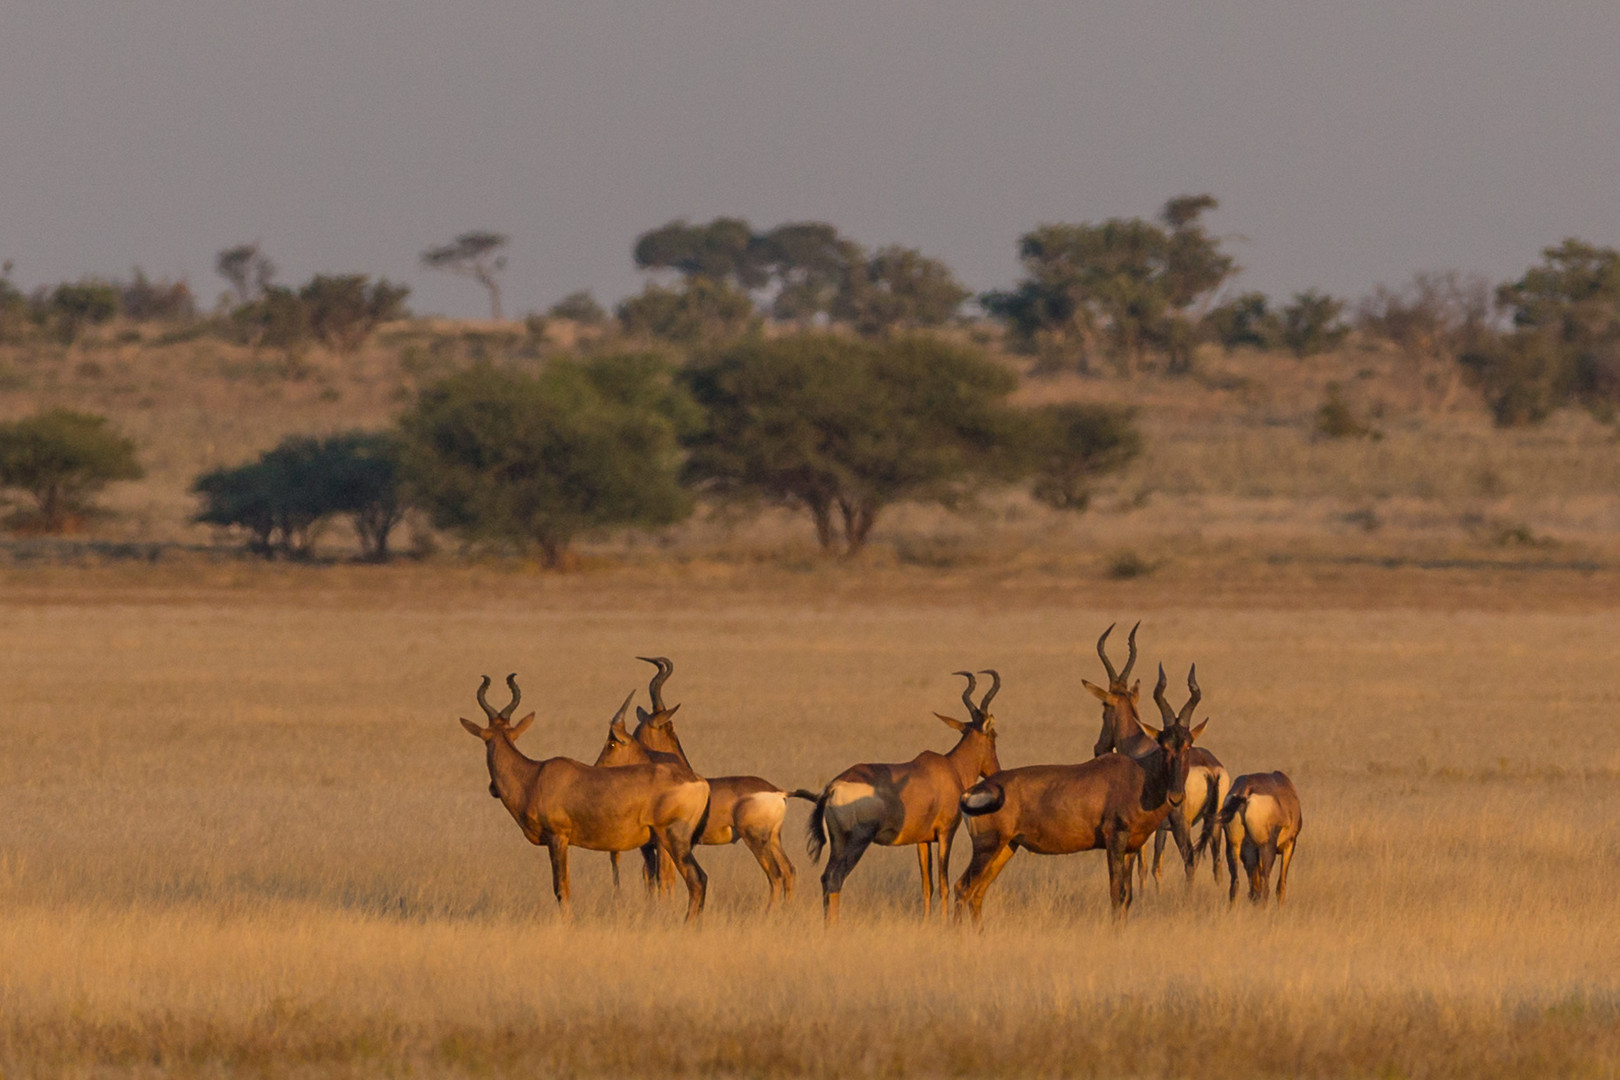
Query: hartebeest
{"type": "Point", "coordinates": [1262, 821]}
{"type": "Point", "coordinates": [559, 801]}
{"type": "Point", "coordinates": [917, 802]}
{"type": "Point", "coordinates": [1207, 779]}
{"type": "Point", "coordinates": [621, 748]}
{"type": "Point", "coordinates": [1114, 802]}
{"type": "Point", "coordinates": [746, 808]}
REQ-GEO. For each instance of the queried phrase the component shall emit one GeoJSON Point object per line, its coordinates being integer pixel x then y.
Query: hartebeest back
{"type": "Point", "coordinates": [1262, 820]}
{"type": "Point", "coordinates": [746, 808]}
{"type": "Point", "coordinates": [558, 802]}
{"type": "Point", "coordinates": [916, 802]}
{"type": "Point", "coordinates": [1207, 779]}
{"type": "Point", "coordinates": [1114, 802]}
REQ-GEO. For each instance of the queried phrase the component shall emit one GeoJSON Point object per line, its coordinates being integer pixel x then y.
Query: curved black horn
{"type": "Point", "coordinates": [655, 689]}
{"type": "Point", "coordinates": [1113, 676]}
{"type": "Point", "coordinates": [517, 696]}
{"type": "Point", "coordinates": [483, 702]}
{"type": "Point", "coordinates": [1192, 702]}
{"type": "Point", "coordinates": [967, 693]}
{"type": "Point", "coordinates": [1165, 710]}
{"type": "Point", "coordinates": [1130, 661]}
{"type": "Point", "coordinates": [984, 706]}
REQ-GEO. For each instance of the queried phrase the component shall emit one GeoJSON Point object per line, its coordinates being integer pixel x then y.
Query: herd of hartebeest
{"type": "Point", "coordinates": [642, 794]}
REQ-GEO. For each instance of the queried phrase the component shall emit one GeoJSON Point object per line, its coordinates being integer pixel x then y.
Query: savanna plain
{"type": "Point", "coordinates": [241, 832]}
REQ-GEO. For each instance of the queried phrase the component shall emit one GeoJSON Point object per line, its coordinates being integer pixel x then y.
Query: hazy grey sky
{"type": "Point", "coordinates": [1349, 142]}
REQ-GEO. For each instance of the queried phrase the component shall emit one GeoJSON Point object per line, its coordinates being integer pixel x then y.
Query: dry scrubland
{"type": "Point", "coordinates": [243, 834]}
{"type": "Point", "coordinates": [1231, 471]}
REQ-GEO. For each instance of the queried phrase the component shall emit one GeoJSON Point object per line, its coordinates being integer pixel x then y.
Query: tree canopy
{"type": "Point", "coordinates": [61, 458]}
{"type": "Point", "coordinates": [842, 428]}
{"type": "Point", "coordinates": [1118, 288]}
{"type": "Point", "coordinates": [537, 460]}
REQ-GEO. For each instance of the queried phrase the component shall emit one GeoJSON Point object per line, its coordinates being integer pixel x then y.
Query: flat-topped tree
{"type": "Point", "coordinates": [61, 458]}
{"type": "Point", "coordinates": [476, 255]}
{"type": "Point", "coordinates": [843, 428]}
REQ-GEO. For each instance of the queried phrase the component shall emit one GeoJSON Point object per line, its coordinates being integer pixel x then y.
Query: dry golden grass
{"type": "Point", "coordinates": [242, 834]}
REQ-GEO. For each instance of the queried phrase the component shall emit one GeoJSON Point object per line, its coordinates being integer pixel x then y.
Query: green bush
{"type": "Point", "coordinates": [538, 460]}
{"type": "Point", "coordinates": [282, 499]}
{"type": "Point", "coordinates": [703, 311]}
{"type": "Point", "coordinates": [1312, 324]}
{"type": "Point", "coordinates": [1071, 445]}
{"type": "Point", "coordinates": [61, 458]}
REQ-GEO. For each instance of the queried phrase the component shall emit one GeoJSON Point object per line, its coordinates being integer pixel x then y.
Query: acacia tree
{"type": "Point", "coordinates": [841, 428]}
{"type": "Point", "coordinates": [1121, 287]}
{"type": "Point", "coordinates": [538, 460]}
{"type": "Point", "coordinates": [247, 269]}
{"type": "Point", "coordinates": [1070, 445]}
{"type": "Point", "coordinates": [476, 255]}
{"type": "Point", "coordinates": [61, 458]}
{"type": "Point", "coordinates": [282, 499]}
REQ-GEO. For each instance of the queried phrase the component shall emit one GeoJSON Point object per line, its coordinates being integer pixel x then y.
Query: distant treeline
{"type": "Point", "coordinates": [1117, 297]}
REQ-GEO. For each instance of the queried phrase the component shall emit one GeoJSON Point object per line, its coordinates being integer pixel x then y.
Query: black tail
{"type": "Point", "coordinates": [985, 797]}
{"type": "Point", "coordinates": [804, 793]}
{"type": "Point", "coordinates": [1211, 811]}
{"type": "Point", "coordinates": [816, 832]}
{"type": "Point", "coordinates": [1234, 805]}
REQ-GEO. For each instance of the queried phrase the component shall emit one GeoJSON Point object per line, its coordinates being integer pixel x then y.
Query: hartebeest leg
{"type": "Point", "coordinates": [558, 850]}
{"type": "Point", "coordinates": [678, 846]}
{"type": "Point", "coordinates": [1119, 872]}
{"type": "Point", "coordinates": [1287, 852]}
{"type": "Point", "coordinates": [1232, 847]}
{"type": "Point", "coordinates": [1251, 867]}
{"type": "Point", "coordinates": [651, 862]}
{"type": "Point", "coordinates": [1158, 853]}
{"type": "Point", "coordinates": [1181, 830]}
{"type": "Point", "coordinates": [613, 858]}
{"type": "Point", "coordinates": [846, 852]}
{"type": "Point", "coordinates": [761, 848]}
{"type": "Point", "coordinates": [784, 865]}
{"type": "Point", "coordinates": [925, 863]}
{"type": "Point", "coordinates": [1268, 857]}
{"type": "Point", "coordinates": [944, 870]}
{"type": "Point", "coordinates": [976, 879]}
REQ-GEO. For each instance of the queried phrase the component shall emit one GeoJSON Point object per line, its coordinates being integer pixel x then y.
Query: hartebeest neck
{"type": "Point", "coordinates": [1123, 734]}
{"type": "Point", "coordinates": [968, 757]}
{"type": "Point", "coordinates": [661, 739]}
{"type": "Point", "coordinates": [511, 773]}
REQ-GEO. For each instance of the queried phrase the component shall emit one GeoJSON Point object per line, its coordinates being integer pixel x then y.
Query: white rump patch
{"type": "Point", "coordinates": [978, 800]}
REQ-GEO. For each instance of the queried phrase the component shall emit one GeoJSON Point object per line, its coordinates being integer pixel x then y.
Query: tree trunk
{"type": "Point", "coordinates": [487, 280]}
{"type": "Point", "coordinates": [858, 520]}
{"type": "Point", "coordinates": [822, 512]}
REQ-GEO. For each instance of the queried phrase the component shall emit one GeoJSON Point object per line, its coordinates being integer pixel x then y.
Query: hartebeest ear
{"type": "Point", "coordinates": [474, 728]}
{"type": "Point", "coordinates": [1096, 691]}
{"type": "Point", "coordinates": [952, 721]}
{"type": "Point", "coordinates": [520, 727]}
{"type": "Point", "coordinates": [1136, 690]}
{"type": "Point", "coordinates": [1149, 730]}
{"type": "Point", "coordinates": [642, 715]}
{"type": "Point", "coordinates": [1199, 730]}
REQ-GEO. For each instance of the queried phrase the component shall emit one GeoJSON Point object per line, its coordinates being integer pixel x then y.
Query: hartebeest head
{"type": "Point", "coordinates": [977, 748]}
{"type": "Point", "coordinates": [500, 723]}
{"type": "Point", "coordinates": [653, 729]}
{"type": "Point", "coordinates": [501, 730]}
{"type": "Point", "coordinates": [621, 747]}
{"type": "Point", "coordinates": [1175, 739]}
{"type": "Point", "coordinates": [1119, 698]}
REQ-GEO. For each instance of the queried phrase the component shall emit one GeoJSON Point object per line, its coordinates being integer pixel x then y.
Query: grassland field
{"type": "Point", "coordinates": [242, 834]}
